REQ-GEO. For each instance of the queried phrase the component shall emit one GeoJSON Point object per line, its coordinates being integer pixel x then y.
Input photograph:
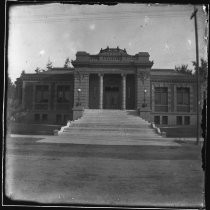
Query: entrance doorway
{"type": "Point", "coordinates": [112, 100]}
{"type": "Point", "coordinates": [94, 91]}
{"type": "Point", "coordinates": [112, 91]}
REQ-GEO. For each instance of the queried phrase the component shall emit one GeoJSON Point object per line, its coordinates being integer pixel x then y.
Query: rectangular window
{"type": "Point", "coordinates": [165, 120]}
{"type": "Point", "coordinates": [183, 96]}
{"type": "Point", "coordinates": [179, 120]}
{"type": "Point", "coordinates": [183, 99]}
{"type": "Point", "coordinates": [44, 117]}
{"type": "Point", "coordinates": [36, 117]}
{"type": "Point", "coordinates": [161, 99]}
{"type": "Point", "coordinates": [63, 94]}
{"type": "Point", "coordinates": [42, 94]}
{"type": "Point", "coordinates": [157, 120]}
{"type": "Point", "coordinates": [187, 120]}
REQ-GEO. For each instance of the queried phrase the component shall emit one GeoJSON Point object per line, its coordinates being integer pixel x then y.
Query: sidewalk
{"type": "Point", "coordinates": [99, 140]}
{"type": "Point", "coordinates": [107, 140]}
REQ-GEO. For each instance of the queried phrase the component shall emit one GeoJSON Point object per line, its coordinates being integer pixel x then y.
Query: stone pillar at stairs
{"type": "Point", "coordinates": [143, 93]}
{"type": "Point", "coordinates": [81, 89]}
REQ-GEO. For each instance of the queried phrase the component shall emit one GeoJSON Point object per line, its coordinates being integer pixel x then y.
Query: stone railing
{"type": "Point", "coordinates": [77, 113]}
{"type": "Point", "coordinates": [57, 132]}
{"type": "Point", "coordinates": [158, 130]}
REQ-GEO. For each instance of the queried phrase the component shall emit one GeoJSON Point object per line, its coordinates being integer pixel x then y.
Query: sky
{"type": "Point", "coordinates": [42, 32]}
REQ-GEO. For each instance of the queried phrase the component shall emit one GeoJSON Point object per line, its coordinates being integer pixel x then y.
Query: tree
{"type": "Point", "coordinates": [23, 72]}
{"type": "Point", "coordinates": [49, 64]}
{"type": "Point", "coordinates": [183, 69]}
{"type": "Point", "coordinates": [11, 99]}
{"type": "Point", "coordinates": [203, 76]}
{"type": "Point", "coordinates": [15, 112]}
{"type": "Point", "coordinates": [203, 69]}
{"type": "Point", "coordinates": [10, 88]}
{"type": "Point", "coordinates": [37, 70]}
{"type": "Point", "coordinates": [67, 63]}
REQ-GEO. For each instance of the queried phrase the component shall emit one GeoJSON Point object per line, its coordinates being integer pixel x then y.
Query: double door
{"type": "Point", "coordinates": [112, 97]}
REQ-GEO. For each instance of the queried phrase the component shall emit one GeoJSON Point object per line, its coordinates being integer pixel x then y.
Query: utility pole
{"type": "Point", "coordinates": [194, 15]}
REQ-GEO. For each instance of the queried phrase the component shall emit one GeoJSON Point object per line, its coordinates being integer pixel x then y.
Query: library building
{"type": "Point", "coordinates": [111, 79]}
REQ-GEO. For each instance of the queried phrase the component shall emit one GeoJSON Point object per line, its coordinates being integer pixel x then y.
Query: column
{"type": "Point", "coordinates": [34, 97]}
{"type": "Point", "coordinates": [86, 84]}
{"type": "Point", "coordinates": [101, 91]}
{"type": "Point", "coordinates": [175, 98]}
{"type": "Point", "coordinates": [23, 94]}
{"type": "Point", "coordinates": [123, 91]}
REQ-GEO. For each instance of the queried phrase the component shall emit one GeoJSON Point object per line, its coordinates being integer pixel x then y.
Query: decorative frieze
{"type": "Point", "coordinates": [112, 56]}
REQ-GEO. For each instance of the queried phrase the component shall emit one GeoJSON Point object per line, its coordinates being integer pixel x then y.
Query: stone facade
{"type": "Point", "coordinates": [112, 79]}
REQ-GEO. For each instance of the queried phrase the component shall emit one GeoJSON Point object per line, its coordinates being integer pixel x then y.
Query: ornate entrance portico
{"type": "Point", "coordinates": [112, 79]}
{"type": "Point", "coordinates": [111, 91]}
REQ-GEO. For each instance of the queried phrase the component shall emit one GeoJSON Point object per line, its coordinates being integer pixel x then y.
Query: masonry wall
{"type": "Point", "coordinates": [172, 113]}
{"type": "Point", "coordinates": [143, 93]}
{"type": "Point", "coordinates": [81, 81]}
{"type": "Point", "coordinates": [57, 113]}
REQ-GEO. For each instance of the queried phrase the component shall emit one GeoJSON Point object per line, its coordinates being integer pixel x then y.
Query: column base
{"type": "Point", "coordinates": [100, 107]}
{"type": "Point", "coordinates": [144, 113]}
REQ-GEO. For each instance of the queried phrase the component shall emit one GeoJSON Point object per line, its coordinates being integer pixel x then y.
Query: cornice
{"type": "Point", "coordinates": [173, 80]}
{"type": "Point", "coordinates": [108, 64]}
{"type": "Point", "coordinates": [46, 77]}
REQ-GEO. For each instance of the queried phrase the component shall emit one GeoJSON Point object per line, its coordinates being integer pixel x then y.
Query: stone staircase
{"type": "Point", "coordinates": [110, 124]}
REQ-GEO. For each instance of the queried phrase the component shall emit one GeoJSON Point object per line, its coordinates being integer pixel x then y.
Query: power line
{"type": "Point", "coordinates": [194, 15]}
{"type": "Point", "coordinates": [107, 13]}
{"type": "Point", "coordinates": [77, 19]}
{"type": "Point", "coordinates": [101, 14]}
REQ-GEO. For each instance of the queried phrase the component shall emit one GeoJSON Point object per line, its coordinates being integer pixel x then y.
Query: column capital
{"type": "Point", "coordinates": [123, 74]}
{"type": "Point", "coordinates": [24, 84]}
{"type": "Point", "coordinates": [143, 75]}
{"type": "Point", "coordinates": [100, 74]}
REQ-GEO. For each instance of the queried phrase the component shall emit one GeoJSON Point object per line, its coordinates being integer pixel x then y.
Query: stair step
{"type": "Point", "coordinates": [114, 124]}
